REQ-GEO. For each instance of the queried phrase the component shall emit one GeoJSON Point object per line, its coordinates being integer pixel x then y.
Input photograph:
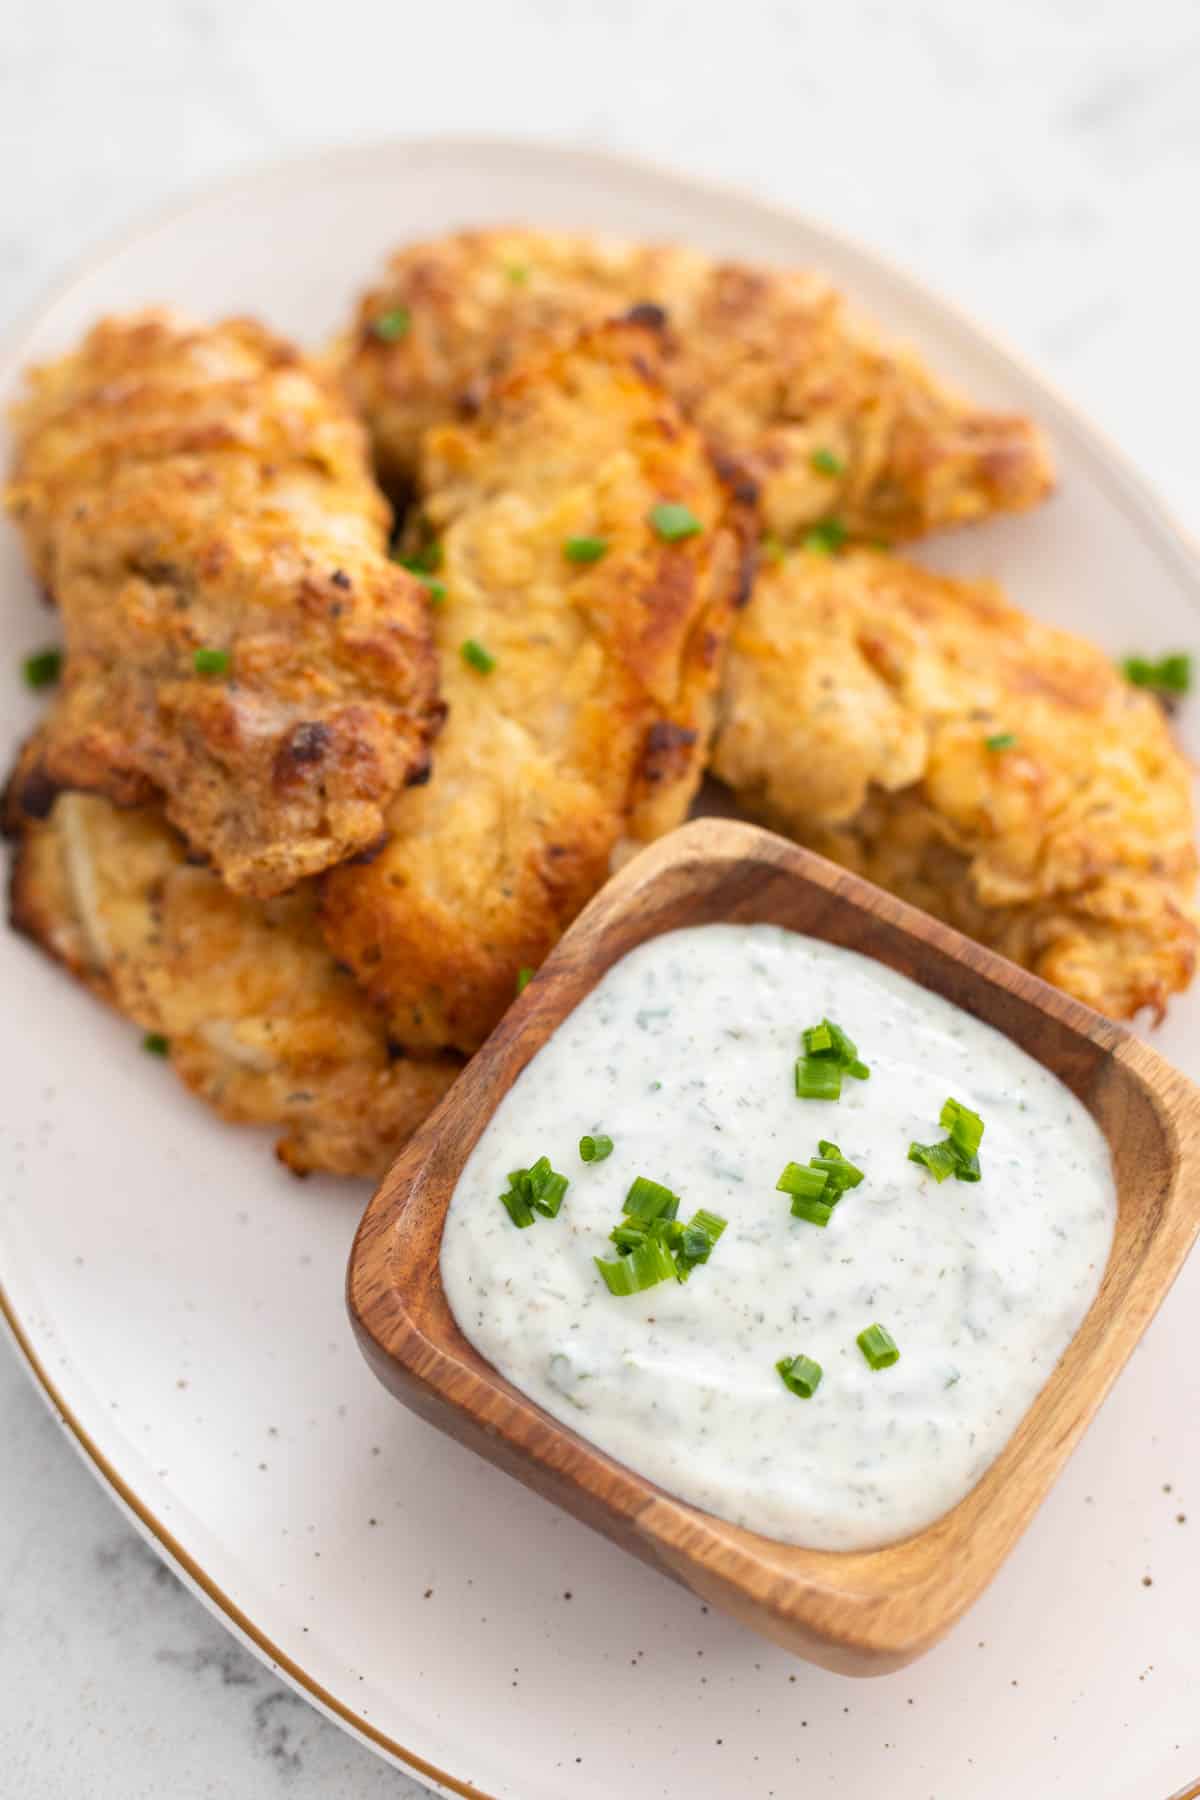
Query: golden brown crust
{"type": "Point", "coordinates": [262, 1024]}
{"type": "Point", "coordinates": [589, 735]}
{"type": "Point", "coordinates": [771, 364]}
{"type": "Point", "coordinates": [184, 489]}
{"type": "Point", "coordinates": [858, 699]}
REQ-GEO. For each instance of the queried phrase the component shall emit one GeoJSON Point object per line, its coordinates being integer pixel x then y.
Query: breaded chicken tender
{"type": "Point", "coordinates": [996, 771]}
{"type": "Point", "coordinates": [836, 426]}
{"type": "Point", "coordinates": [197, 501]}
{"type": "Point", "coordinates": [580, 645]}
{"type": "Point", "coordinates": [260, 1021]}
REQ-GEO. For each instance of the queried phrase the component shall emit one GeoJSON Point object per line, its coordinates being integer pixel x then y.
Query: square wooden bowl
{"type": "Point", "coordinates": [861, 1612]}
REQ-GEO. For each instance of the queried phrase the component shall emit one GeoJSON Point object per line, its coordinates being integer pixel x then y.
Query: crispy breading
{"type": "Point", "coordinates": [772, 364]}
{"type": "Point", "coordinates": [858, 700]}
{"type": "Point", "coordinates": [260, 1020]}
{"type": "Point", "coordinates": [588, 735]}
{"type": "Point", "coordinates": [185, 488]}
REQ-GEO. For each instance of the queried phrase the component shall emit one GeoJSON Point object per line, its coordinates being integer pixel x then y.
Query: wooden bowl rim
{"type": "Point", "coordinates": [879, 1607]}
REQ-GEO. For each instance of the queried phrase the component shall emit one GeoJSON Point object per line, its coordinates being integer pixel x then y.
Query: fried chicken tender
{"type": "Point", "coordinates": [860, 694]}
{"type": "Point", "coordinates": [771, 364]}
{"type": "Point", "coordinates": [261, 1022]}
{"type": "Point", "coordinates": [584, 732]}
{"type": "Point", "coordinates": [186, 489]}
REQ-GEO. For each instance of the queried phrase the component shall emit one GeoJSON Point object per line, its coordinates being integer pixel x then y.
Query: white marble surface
{"type": "Point", "coordinates": [1038, 162]}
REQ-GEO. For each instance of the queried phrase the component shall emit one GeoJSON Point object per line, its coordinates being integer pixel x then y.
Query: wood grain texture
{"type": "Point", "coordinates": [860, 1612]}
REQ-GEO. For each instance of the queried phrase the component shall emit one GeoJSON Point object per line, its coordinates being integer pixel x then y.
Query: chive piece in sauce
{"type": "Point", "coordinates": [956, 1155]}
{"type": "Point", "coordinates": [155, 1044]}
{"type": "Point", "coordinates": [1001, 740]}
{"type": "Point", "coordinates": [644, 1267]}
{"type": "Point", "coordinates": [829, 1042]}
{"type": "Point", "coordinates": [818, 1185]}
{"type": "Point", "coordinates": [818, 1079]}
{"type": "Point", "coordinates": [841, 1172]}
{"type": "Point", "coordinates": [878, 1346]}
{"type": "Point", "coordinates": [524, 977]}
{"type": "Point", "coordinates": [674, 522]}
{"type": "Point", "coordinates": [517, 1207]}
{"type": "Point", "coordinates": [800, 1375]}
{"type": "Point", "coordinates": [940, 1159]}
{"type": "Point", "coordinates": [965, 1127]}
{"type": "Point", "coordinates": [595, 1149]}
{"type": "Point", "coordinates": [585, 549]}
{"type": "Point", "coordinates": [816, 1212]}
{"type": "Point", "coordinates": [696, 1240]}
{"type": "Point", "coordinates": [211, 662]}
{"type": "Point", "coordinates": [539, 1189]}
{"type": "Point", "coordinates": [829, 1053]}
{"type": "Point", "coordinates": [648, 1200]}
{"type": "Point", "coordinates": [42, 669]}
{"type": "Point", "coordinates": [806, 1183]}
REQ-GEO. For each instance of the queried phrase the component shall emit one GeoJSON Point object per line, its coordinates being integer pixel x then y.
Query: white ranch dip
{"type": "Point", "coordinates": [684, 1055]}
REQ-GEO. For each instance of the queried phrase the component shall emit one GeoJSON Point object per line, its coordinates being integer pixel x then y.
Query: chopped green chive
{"type": "Point", "coordinates": [816, 1212]}
{"type": "Point", "coordinates": [518, 1208]}
{"type": "Point", "coordinates": [940, 1159]}
{"type": "Point", "coordinates": [965, 1127]}
{"type": "Point", "coordinates": [539, 1189]}
{"type": "Point", "coordinates": [524, 977]}
{"type": "Point", "coordinates": [584, 549]}
{"type": "Point", "coordinates": [155, 1044]}
{"type": "Point", "coordinates": [826, 538]}
{"type": "Point", "coordinates": [389, 327]}
{"type": "Point", "coordinates": [518, 273]}
{"type": "Point", "coordinates": [773, 548]}
{"type": "Point", "coordinates": [842, 1173]}
{"type": "Point", "coordinates": [674, 522]}
{"type": "Point", "coordinates": [476, 657]}
{"type": "Point", "coordinates": [648, 1200]}
{"type": "Point", "coordinates": [878, 1346]}
{"type": "Point", "coordinates": [211, 662]}
{"type": "Point", "coordinates": [546, 1187]}
{"type": "Point", "coordinates": [800, 1375]}
{"type": "Point", "coordinates": [43, 668]}
{"type": "Point", "coordinates": [426, 561]}
{"type": "Point", "coordinates": [595, 1149]}
{"type": "Point", "coordinates": [686, 1245]}
{"type": "Point", "coordinates": [1171, 675]}
{"type": "Point", "coordinates": [828, 1054]}
{"type": "Point", "coordinates": [424, 564]}
{"type": "Point", "coordinates": [957, 1155]}
{"type": "Point", "coordinates": [826, 463]}
{"type": "Point", "coordinates": [817, 1186]}
{"type": "Point", "coordinates": [1001, 740]}
{"type": "Point", "coordinates": [696, 1240]}
{"type": "Point", "coordinates": [817, 1078]}
{"type": "Point", "coordinates": [806, 1182]}
{"type": "Point", "coordinates": [645, 1266]}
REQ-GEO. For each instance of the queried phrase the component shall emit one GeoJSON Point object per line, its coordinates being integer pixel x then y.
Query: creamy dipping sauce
{"type": "Point", "coordinates": [684, 1055]}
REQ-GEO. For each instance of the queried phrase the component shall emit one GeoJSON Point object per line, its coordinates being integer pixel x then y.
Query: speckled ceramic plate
{"type": "Point", "coordinates": [179, 1298]}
